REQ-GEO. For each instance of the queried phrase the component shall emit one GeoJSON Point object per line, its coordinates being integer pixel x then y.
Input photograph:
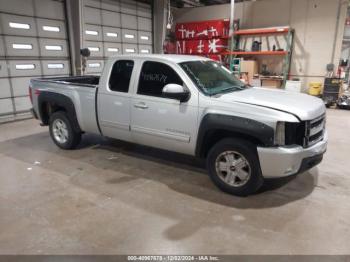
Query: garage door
{"type": "Point", "coordinates": [115, 27]}
{"type": "Point", "coordinates": [33, 43]}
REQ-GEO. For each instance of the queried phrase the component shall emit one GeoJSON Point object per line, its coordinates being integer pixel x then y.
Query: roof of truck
{"type": "Point", "coordinates": [167, 57]}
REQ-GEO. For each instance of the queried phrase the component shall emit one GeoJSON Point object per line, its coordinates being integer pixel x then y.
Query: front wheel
{"type": "Point", "coordinates": [234, 167]}
{"type": "Point", "coordinates": [62, 132]}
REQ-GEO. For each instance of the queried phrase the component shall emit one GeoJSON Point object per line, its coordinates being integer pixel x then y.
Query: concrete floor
{"type": "Point", "coordinates": [109, 197]}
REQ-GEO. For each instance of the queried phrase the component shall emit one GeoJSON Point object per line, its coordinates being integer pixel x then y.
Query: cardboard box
{"type": "Point", "coordinates": [251, 68]}
{"type": "Point", "coordinates": [271, 83]}
{"type": "Point", "coordinates": [293, 86]}
{"type": "Point", "coordinates": [256, 82]}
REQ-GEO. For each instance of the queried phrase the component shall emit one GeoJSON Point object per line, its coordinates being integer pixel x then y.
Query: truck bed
{"type": "Point", "coordinates": [79, 90]}
{"type": "Point", "coordinates": [88, 81]}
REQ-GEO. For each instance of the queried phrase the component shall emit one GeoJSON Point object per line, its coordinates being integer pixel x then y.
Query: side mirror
{"type": "Point", "coordinates": [175, 91]}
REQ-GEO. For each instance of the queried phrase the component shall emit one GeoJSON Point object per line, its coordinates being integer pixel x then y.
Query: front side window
{"type": "Point", "coordinates": [120, 76]}
{"type": "Point", "coordinates": [211, 77]}
{"type": "Point", "coordinates": [154, 76]}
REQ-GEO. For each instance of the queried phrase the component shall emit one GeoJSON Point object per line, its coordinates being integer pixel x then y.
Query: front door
{"type": "Point", "coordinates": [162, 122]}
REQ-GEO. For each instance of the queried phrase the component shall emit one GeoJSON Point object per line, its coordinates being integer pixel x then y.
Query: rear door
{"type": "Point", "coordinates": [158, 121]}
{"type": "Point", "coordinates": [114, 101]}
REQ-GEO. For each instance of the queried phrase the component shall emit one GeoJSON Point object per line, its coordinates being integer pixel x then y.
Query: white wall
{"type": "Point", "coordinates": [315, 23]}
{"type": "Point", "coordinates": [346, 44]}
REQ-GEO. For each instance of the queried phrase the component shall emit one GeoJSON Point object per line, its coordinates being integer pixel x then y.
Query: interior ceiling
{"type": "Point", "coordinates": [196, 3]}
{"type": "Point", "coordinates": [145, 1]}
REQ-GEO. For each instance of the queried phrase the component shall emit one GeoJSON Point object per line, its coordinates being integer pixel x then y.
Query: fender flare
{"type": "Point", "coordinates": [239, 125]}
{"type": "Point", "coordinates": [61, 101]}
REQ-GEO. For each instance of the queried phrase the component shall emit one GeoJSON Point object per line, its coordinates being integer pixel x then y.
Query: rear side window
{"type": "Point", "coordinates": [120, 77]}
{"type": "Point", "coordinates": [154, 76]}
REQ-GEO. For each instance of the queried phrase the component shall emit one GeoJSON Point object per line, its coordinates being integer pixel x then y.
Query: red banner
{"type": "Point", "coordinates": [202, 30]}
{"type": "Point", "coordinates": [201, 47]}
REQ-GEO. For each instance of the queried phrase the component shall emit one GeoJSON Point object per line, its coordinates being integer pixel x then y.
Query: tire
{"type": "Point", "coordinates": [65, 137]}
{"type": "Point", "coordinates": [242, 179]}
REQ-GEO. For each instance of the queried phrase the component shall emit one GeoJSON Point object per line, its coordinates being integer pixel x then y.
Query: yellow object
{"type": "Point", "coordinates": [315, 88]}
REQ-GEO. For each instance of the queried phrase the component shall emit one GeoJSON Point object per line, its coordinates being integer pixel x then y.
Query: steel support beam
{"type": "Point", "coordinates": [232, 17]}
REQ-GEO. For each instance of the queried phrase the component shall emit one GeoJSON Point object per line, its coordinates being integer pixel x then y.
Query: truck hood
{"type": "Point", "coordinates": [304, 106]}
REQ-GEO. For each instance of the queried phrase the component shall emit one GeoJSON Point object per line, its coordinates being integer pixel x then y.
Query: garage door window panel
{"type": "Point", "coordinates": [119, 80]}
{"type": "Point", "coordinates": [19, 25]}
{"type": "Point", "coordinates": [32, 32]}
{"type": "Point", "coordinates": [51, 28]}
{"type": "Point", "coordinates": [154, 76]}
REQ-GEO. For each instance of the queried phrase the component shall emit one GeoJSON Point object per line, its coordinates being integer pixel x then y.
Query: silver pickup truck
{"type": "Point", "coordinates": [191, 105]}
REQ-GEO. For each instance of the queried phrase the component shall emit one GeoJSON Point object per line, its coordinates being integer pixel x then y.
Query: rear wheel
{"type": "Point", "coordinates": [234, 167]}
{"type": "Point", "coordinates": [62, 132]}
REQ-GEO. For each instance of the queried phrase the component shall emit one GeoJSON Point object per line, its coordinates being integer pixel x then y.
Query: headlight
{"type": "Point", "coordinates": [280, 134]}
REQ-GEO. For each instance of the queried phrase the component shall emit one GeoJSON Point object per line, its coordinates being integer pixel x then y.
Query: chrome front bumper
{"type": "Point", "coordinates": [285, 161]}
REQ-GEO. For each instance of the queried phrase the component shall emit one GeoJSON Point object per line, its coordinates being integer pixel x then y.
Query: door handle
{"type": "Point", "coordinates": [141, 106]}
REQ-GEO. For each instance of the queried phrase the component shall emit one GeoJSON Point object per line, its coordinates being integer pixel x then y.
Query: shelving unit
{"type": "Point", "coordinates": [235, 37]}
{"type": "Point", "coordinates": [255, 53]}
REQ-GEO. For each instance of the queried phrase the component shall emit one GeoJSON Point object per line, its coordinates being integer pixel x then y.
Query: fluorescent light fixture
{"type": "Point", "coordinates": [144, 37]}
{"type": "Point", "coordinates": [94, 49]}
{"type": "Point", "coordinates": [55, 66]}
{"type": "Point", "coordinates": [144, 51]}
{"type": "Point", "coordinates": [112, 34]}
{"type": "Point", "coordinates": [90, 32]}
{"type": "Point", "coordinates": [19, 25]}
{"type": "Point", "coordinates": [130, 50]}
{"type": "Point", "coordinates": [51, 28]}
{"type": "Point", "coordinates": [129, 36]}
{"type": "Point", "coordinates": [53, 47]}
{"type": "Point", "coordinates": [22, 46]}
{"type": "Point", "coordinates": [94, 65]}
{"type": "Point", "coordinates": [25, 66]}
{"type": "Point", "coordinates": [113, 49]}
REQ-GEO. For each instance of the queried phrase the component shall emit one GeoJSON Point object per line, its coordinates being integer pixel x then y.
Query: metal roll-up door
{"type": "Point", "coordinates": [33, 43]}
{"type": "Point", "coordinates": [112, 27]}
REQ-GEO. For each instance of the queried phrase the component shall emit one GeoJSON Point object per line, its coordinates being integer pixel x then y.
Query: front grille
{"type": "Point", "coordinates": [314, 131]}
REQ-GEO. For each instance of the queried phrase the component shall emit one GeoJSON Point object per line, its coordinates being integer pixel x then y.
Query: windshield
{"type": "Point", "coordinates": [211, 77]}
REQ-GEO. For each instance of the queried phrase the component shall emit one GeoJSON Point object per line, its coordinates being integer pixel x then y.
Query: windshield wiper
{"type": "Point", "coordinates": [231, 88]}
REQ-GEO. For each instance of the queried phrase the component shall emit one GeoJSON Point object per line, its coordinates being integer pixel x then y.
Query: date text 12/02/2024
{"type": "Point", "coordinates": [173, 258]}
